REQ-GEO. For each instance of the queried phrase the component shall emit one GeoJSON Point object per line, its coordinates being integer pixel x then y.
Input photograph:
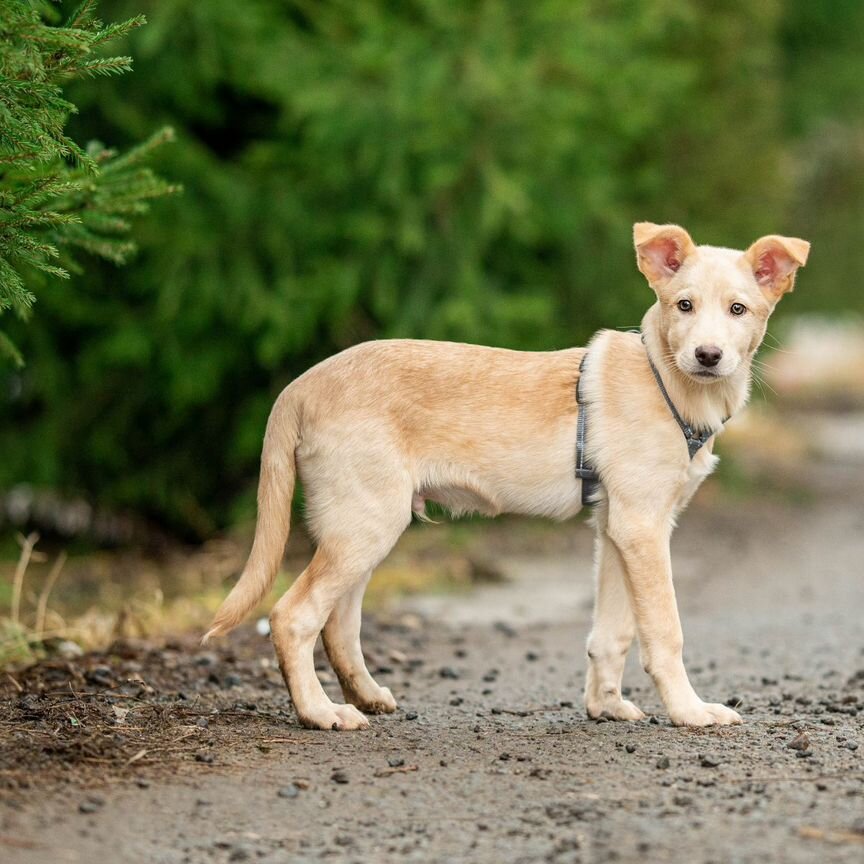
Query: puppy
{"type": "Point", "coordinates": [380, 429]}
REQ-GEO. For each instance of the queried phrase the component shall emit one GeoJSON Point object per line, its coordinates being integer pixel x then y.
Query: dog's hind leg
{"type": "Point", "coordinates": [357, 510]}
{"type": "Point", "coordinates": [611, 636]}
{"type": "Point", "coordinates": [295, 622]}
{"type": "Point", "coordinates": [342, 643]}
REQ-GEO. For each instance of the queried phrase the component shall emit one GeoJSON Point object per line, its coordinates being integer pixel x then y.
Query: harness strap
{"type": "Point", "coordinates": [696, 439]}
{"type": "Point", "coordinates": [584, 472]}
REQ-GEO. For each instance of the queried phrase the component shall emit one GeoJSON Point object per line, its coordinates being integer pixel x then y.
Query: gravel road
{"type": "Point", "coordinates": [490, 757]}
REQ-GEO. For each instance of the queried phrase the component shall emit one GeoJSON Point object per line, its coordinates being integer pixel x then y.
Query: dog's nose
{"type": "Point", "coordinates": [708, 355]}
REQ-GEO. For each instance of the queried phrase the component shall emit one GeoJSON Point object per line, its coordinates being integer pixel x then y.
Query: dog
{"type": "Point", "coordinates": [381, 428]}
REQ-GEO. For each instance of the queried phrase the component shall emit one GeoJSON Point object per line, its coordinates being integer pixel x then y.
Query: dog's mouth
{"type": "Point", "coordinates": [704, 376]}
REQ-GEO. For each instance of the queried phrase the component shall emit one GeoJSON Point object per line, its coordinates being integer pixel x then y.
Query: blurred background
{"type": "Point", "coordinates": [425, 168]}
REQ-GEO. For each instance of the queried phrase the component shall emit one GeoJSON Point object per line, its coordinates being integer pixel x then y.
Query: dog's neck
{"type": "Point", "coordinates": [704, 406]}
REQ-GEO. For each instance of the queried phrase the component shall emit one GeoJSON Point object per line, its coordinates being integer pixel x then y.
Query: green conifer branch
{"type": "Point", "coordinates": [55, 195]}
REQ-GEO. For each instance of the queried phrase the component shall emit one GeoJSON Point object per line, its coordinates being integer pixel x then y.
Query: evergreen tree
{"type": "Point", "coordinates": [55, 195]}
{"type": "Point", "coordinates": [458, 169]}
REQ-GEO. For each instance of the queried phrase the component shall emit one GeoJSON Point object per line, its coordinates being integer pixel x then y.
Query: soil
{"type": "Point", "coordinates": [170, 753]}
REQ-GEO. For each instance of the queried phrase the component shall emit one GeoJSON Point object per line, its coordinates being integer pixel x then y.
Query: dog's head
{"type": "Point", "coordinates": [714, 303]}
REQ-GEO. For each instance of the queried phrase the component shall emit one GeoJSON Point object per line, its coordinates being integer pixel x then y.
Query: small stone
{"type": "Point", "coordinates": [448, 672]}
{"type": "Point", "coordinates": [411, 715]}
{"type": "Point", "coordinates": [339, 777]}
{"type": "Point", "coordinates": [238, 853]}
{"type": "Point", "coordinates": [851, 745]}
{"type": "Point", "coordinates": [289, 791]}
{"type": "Point", "coordinates": [800, 742]}
{"type": "Point", "coordinates": [630, 748]}
{"type": "Point", "coordinates": [682, 800]}
{"type": "Point", "coordinates": [531, 656]}
{"type": "Point", "coordinates": [663, 762]}
{"type": "Point", "coordinates": [804, 754]}
{"type": "Point", "coordinates": [69, 650]}
{"type": "Point", "coordinates": [709, 761]}
{"type": "Point", "coordinates": [504, 757]}
{"type": "Point", "coordinates": [395, 761]}
{"type": "Point", "coordinates": [232, 680]}
{"type": "Point", "coordinates": [456, 700]}
{"type": "Point", "coordinates": [206, 758]}
{"type": "Point", "coordinates": [92, 805]}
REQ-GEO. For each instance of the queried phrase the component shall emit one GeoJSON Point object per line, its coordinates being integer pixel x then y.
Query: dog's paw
{"type": "Point", "coordinates": [705, 714]}
{"type": "Point", "coordinates": [381, 703]}
{"type": "Point", "coordinates": [338, 718]}
{"type": "Point", "coordinates": [614, 709]}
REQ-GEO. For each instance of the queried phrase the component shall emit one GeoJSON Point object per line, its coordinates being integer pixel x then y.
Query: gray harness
{"type": "Point", "coordinates": [695, 438]}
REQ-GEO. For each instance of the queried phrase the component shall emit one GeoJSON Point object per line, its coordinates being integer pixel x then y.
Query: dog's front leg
{"type": "Point", "coordinates": [611, 636]}
{"type": "Point", "coordinates": [644, 546]}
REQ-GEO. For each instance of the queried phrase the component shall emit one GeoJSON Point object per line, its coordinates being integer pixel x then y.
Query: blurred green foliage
{"type": "Point", "coordinates": [451, 169]}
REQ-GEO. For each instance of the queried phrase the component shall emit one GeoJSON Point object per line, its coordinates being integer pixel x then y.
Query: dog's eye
{"type": "Point", "coordinates": [737, 308]}
{"type": "Point", "coordinates": [686, 305]}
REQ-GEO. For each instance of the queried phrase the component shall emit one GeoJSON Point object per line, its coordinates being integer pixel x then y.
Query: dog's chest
{"type": "Point", "coordinates": [701, 465]}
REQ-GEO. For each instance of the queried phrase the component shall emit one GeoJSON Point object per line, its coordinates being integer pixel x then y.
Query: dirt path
{"type": "Point", "coordinates": [490, 758]}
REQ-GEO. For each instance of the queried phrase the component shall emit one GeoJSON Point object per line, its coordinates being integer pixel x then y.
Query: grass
{"type": "Point", "coordinates": [18, 641]}
{"type": "Point", "coordinates": [93, 598]}
{"type": "Point", "coordinates": [32, 626]}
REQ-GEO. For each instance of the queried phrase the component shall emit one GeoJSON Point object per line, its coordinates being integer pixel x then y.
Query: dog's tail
{"type": "Point", "coordinates": [275, 493]}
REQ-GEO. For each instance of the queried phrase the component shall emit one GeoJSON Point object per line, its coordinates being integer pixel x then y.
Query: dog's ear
{"type": "Point", "coordinates": [660, 251]}
{"type": "Point", "coordinates": [774, 261]}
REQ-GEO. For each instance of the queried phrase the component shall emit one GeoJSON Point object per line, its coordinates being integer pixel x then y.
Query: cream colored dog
{"type": "Point", "coordinates": [383, 427]}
